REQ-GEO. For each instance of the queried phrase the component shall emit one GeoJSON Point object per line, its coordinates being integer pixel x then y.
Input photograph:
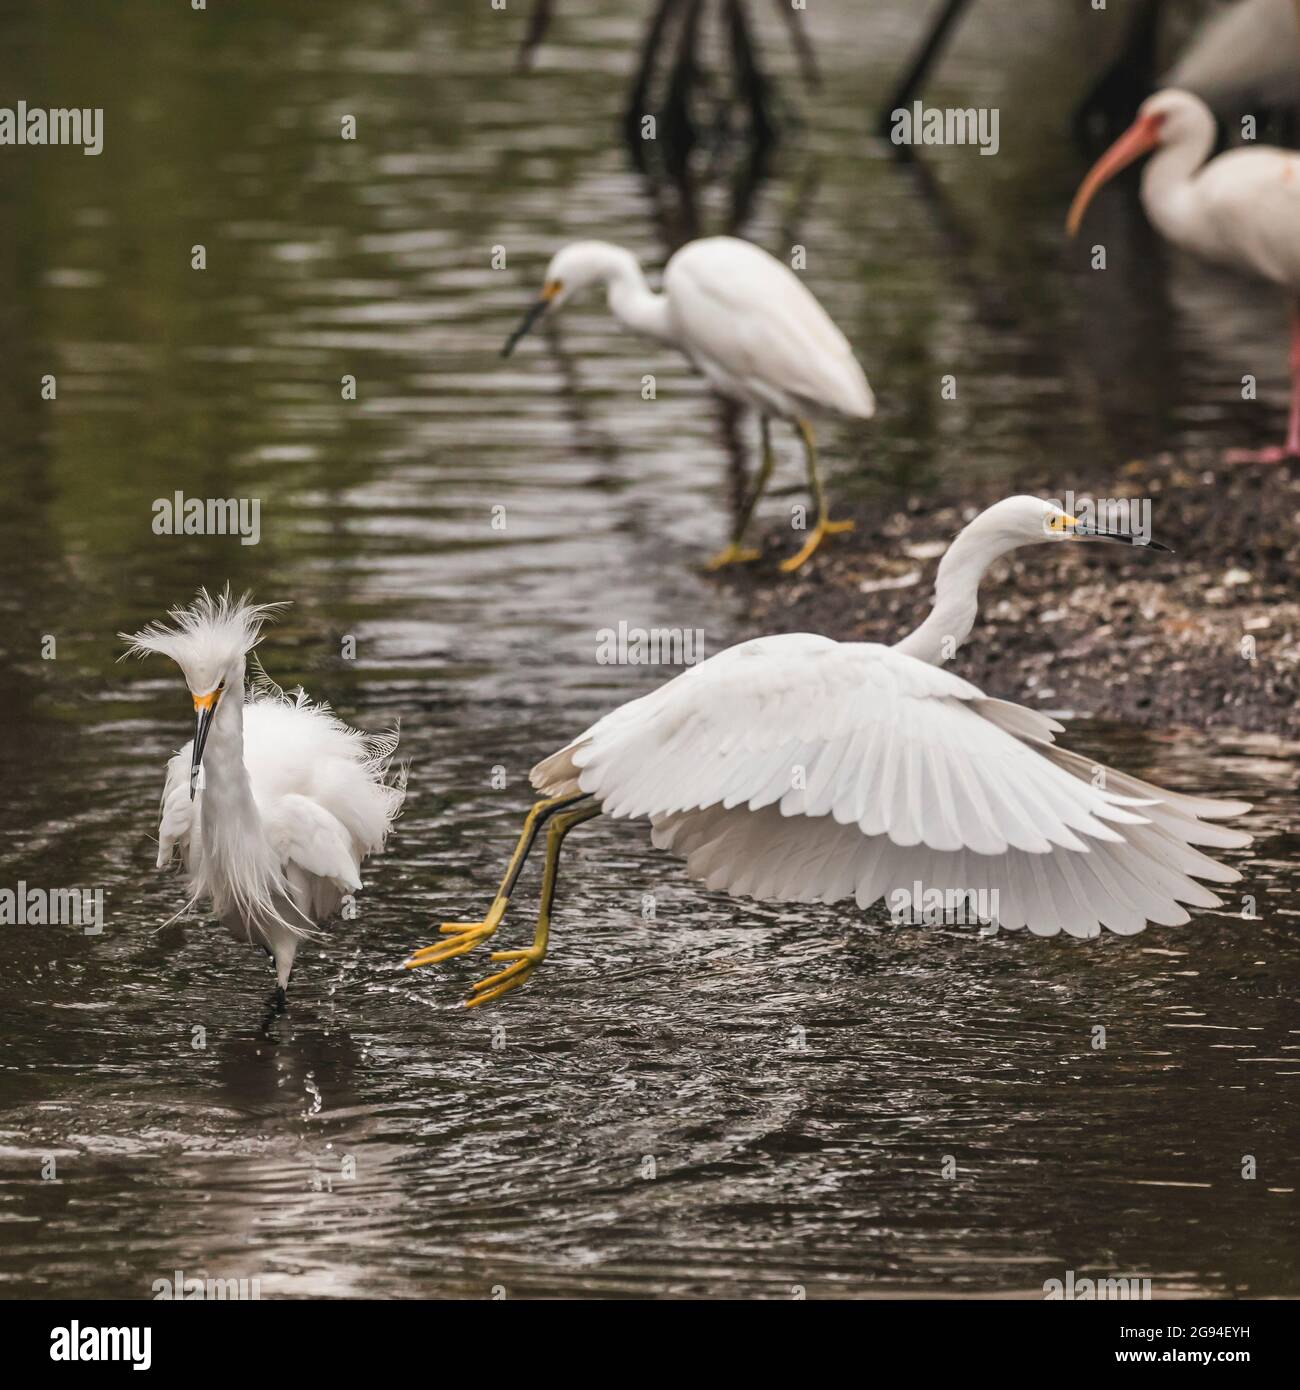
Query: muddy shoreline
{"type": "Point", "coordinates": [1208, 637]}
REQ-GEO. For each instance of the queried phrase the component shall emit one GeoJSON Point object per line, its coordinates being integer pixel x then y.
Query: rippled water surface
{"type": "Point", "coordinates": [729, 1099]}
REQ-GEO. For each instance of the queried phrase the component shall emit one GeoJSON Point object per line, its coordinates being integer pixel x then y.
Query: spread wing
{"type": "Point", "coordinates": [798, 768]}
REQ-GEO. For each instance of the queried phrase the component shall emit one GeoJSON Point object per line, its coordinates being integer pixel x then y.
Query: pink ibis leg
{"type": "Point", "coordinates": [1291, 449]}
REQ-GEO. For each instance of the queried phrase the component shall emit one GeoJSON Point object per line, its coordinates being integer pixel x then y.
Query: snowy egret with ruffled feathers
{"type": "Point", "coordinates": [274, 803]}
{"type": "Point", "coordinates": [798, 769]}
{"type": "Point", "coordinates": [750, 325]}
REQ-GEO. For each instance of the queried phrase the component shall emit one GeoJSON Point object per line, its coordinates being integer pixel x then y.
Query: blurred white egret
{"type": "Point", "coordinates": [275, 802]}
{"type": "Point", "coordinates": [1242, 56]}
{"type": "Point", "coordinates": [749, 324]}
{"type": "Point", "coordinates": [799, 769]}
{"type": "Point", "coordinates": [1241, 209]}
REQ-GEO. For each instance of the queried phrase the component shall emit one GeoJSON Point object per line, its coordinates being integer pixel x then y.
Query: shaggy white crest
{"type": "Point", "coordinates": [209, 639]}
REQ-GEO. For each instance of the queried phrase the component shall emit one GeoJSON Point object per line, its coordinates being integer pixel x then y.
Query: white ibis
{"type": "Point", "coordinates": [1241, 209]}
{"type": "Point", "coordinates": [1243, 56]}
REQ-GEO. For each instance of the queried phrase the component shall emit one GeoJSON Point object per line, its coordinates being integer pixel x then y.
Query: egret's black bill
{"type": "Point", "coordinates": [203, 715]}
{"type": "Point", "coordinates": [1124, 538]}
{"type": "Point", "coordinates": [525, 325]}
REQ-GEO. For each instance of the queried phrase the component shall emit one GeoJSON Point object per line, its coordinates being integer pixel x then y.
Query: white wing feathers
{"type": "Point", "coordinates": [306, 834]}
{"type": "Point", "coordinates": [798, 768]}
{"type": "Point", "coordinates": [735, 304]}
{"type": "Point", "coordinates": [765, 855]}
{"type": "Point", "coordinates": [324, 797]}
{"type": "Point", "coordinates": [1251, 200]}
{"type": "Point", "coordinates": [177, 816]}
{"type": "Point", "coordinates": [853, 731]}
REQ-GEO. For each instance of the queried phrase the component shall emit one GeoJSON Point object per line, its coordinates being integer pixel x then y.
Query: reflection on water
{"type": "Point", "coordinates": [724, 1100]}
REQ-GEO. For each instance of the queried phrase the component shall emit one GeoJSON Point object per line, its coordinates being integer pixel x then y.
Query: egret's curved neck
{"type": "Point", "coordinates": [631, 300]}
{"type": "Point", "coordinates": [1169, 186]}
{"type": "Point", "coordinates": [956, 594]}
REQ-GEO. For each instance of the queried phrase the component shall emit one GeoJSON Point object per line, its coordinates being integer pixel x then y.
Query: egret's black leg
{"type": "Point", "coordinates": [734, 553]}
{"type": "Point", "coordinates": [824, 525]}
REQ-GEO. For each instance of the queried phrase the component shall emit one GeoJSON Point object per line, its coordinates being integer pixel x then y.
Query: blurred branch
{"type": "Point", "coordinates": [925, 59]}
{"type": "Point", "coordinates": [677, 127]}
{"type": "Point", "coordinates": [750, 84]}
{"type": "Point", "coordinates": [638, 102]}
{"type": "Point", "coordinates": [803, 44]}
{"type": "Point", "coordinates": [538, 22]}
{"type": "Point", "coordinates": [1125, 83]}
{"type": "Point", "coordinates": [540, 19]}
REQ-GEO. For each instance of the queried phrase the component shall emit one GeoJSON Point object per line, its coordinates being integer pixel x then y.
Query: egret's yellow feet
{"type": "Point", "coordinates": [732, 554]}
{"type": "Point", "coordinates": [524, 962]}
{"type": "Point", "coordinates": [815, 538]}
{"type": "Point", "coordinates": [510, 978]}
{"type": "Point", "coordinates": [464, 937]}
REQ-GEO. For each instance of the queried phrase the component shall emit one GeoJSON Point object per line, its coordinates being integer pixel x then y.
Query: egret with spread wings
{"type": "Point", "coordinates": [798, 769]}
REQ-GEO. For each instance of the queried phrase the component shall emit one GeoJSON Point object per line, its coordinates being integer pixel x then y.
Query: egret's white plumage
{"type": "Point", "coordinates": [796, 768]}
{"type": "Point", "coordinates": [743, 318]}
{"type": "Point", "coordinates": [1241, 210]}
{"type": "Point", "coordinates": [746, 321]}
{"type": "Point", "coordinates": [756, 331]}
{"type": "Point", "coordinates": [271, 836]}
